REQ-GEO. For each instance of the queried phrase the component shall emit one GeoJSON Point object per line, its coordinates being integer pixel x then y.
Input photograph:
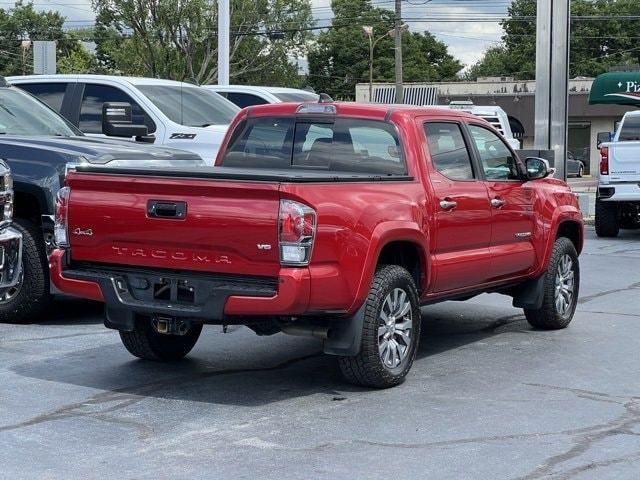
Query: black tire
{"type": "Point", "coordinates": [144, 342]}
{"type": "Point", "coordinates": [607, 224]}
{"type": "Point", "coordinates": [548, 317]}
{"type": "Point", "coordinates": [368, 368]}
{"type": "Point", "coordinates": [32, 297]}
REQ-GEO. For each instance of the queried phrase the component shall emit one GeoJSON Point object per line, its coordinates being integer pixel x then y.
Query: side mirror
{"type": "Point", "coordinates": [538, 168]}
{"type": "Point", "coordinates": [117, 121]}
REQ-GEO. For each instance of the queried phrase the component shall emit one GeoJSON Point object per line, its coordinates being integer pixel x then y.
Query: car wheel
{"type": "Point", "coordinates": [144, 342]}
{"type": "Point", "coordinates": [31, 297]}
{"type": "Point", "coordinates": [580, 171]}
{"type": "Point", "coordinates": [607, 223]}
{"type": "Point", "coordinates": [561, 289]}
{"type": "Point", "coordinates": [391, 331]}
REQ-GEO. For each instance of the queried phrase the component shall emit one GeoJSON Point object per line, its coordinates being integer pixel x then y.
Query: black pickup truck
{"type": "Point", "coordinates": [37, 144]}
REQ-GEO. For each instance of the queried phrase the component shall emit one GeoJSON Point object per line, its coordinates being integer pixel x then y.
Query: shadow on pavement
{"type": "Point", "coordinates": [73, 311]}
{"type": "Point", "coordinates": [242, 369]}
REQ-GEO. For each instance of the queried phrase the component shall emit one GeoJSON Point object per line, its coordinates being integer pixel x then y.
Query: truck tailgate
{"type": "Point", "coordinates": [624, 161]}
{"type": "Point", "coordinates": [187, 224]}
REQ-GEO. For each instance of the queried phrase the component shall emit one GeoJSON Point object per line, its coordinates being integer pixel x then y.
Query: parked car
{"type": "Point", "coordinates": [575, 167]}
{"type": "Point", "coordinates": [493, 114]}
{"type": "Point", "coordinates": [10, 238]}
{"type": "Point", "coordinates": [175, 114]}
{"type": "Point", "coordinates": [249, 95]}
{"type": "Point", "coordinates": [37, 143]}
{"type": "Point", "coordinates": [324, 219]}
{"type": "Point", "coordinates": [618, 195]}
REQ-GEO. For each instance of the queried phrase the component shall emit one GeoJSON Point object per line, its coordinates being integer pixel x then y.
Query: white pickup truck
{"type": "Point", "coordinates": [176, 114]}
{"type": "Point", "coordinates": [618, 197]}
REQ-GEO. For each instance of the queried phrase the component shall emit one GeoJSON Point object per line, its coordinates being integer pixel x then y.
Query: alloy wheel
{"type": "Point", "coordinates": [395, 324]}
{"type": "Point", "coordinates": [565, 286]}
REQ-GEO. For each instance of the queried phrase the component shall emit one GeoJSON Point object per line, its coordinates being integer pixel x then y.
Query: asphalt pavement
{"type": "Point", "coordinates": [488, 397]}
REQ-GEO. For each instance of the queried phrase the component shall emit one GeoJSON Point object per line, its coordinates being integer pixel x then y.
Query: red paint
{"type": "Point", "coordinates": [471, 248]}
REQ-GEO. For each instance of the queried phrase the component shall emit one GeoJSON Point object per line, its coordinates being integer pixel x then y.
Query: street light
{"type": "Point", "coordinates": [368, 31]}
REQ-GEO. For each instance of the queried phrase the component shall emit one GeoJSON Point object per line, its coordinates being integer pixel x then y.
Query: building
{"type": "Point", "coordinates": [517, 98]}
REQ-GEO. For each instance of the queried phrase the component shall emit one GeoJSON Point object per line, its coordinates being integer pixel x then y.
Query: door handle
{"type": "Point", "coordinates": [497, 203]}
{"type": "Point", "coordinates": [170, 210]}
{"type": "Point", "coordinates": [448, 204]}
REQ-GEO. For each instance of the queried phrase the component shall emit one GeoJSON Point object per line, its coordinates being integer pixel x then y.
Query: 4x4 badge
{"type": "Point", "coordinates": [87, 232]}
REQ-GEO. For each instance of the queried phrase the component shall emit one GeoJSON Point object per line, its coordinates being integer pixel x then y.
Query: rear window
{"type": "Point", "coordinates": [630, 129]}
{"type": "Point", "coordinates": [344, 145]}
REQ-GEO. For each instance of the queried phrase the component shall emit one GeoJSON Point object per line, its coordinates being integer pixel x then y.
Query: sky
{"type": "Point", "coordinates": [466, 40]}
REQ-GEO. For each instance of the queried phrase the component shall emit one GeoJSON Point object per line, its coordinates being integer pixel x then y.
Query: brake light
{"type": "Point", "coordinates": [604, 161]}
{"type": "Point", "coordinates": [297, 227]}
{"type": "Point", "coordinates": [60, 227]}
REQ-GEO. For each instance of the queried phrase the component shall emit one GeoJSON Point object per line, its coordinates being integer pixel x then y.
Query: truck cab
{"type": "Point", "coordinates": [176, 114]}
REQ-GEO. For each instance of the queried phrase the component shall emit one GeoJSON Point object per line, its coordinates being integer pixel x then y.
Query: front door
{"type": "Point", "coordinates": [511, 199]}
{"type": "Point", "coordinates": [462, 213]}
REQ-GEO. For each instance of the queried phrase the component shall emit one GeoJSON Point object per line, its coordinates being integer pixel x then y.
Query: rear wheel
{"type": "Point", "coordinates": [607, 224]}
{"type": "Point", "coordinates": [561, 288]}
{"type": "Point", "coordinates": [580, 171]}
{"type": "Point", "coordinates": [144, 342]}
{"type": "Point", "coordinates": [391, 331]}
{"type": "Point", "coordinates": [31, 297]}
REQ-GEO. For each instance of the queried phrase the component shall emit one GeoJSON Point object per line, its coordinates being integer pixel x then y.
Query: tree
{"type": "Point", "coordinates": [340, 57]}
{"type": "Point", "coordinates": [595, 45]}
{"type": "Point", "coordinates": [178, 39]}
{"type": "Point", "coordinates": [23, 24]}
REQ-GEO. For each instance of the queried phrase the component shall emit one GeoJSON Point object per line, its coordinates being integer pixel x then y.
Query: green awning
{"type": "Point", "coordinates": [616, 88]}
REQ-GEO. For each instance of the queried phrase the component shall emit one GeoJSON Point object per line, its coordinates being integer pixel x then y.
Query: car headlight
{"type": "Point", "coordinates": [6, 192]}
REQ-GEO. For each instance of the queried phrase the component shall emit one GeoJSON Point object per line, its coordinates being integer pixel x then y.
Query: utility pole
{"type": "Point", "coordinates": [398, 50]}
{"type": "Point", "coordinates": [552, 80]}
{"type": "Point", "coordinates": [223, 42]}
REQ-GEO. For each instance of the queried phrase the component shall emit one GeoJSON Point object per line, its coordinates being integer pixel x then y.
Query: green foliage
{"type": "Point", "coordinates": [178, 40]}
{"type": "Point", "coordinates": [340, 57]}
{"type": "Point", "coordinates": [595, 45]}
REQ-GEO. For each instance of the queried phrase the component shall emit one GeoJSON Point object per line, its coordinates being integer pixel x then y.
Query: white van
{"type": "Point", "coordinates": [177, 114]}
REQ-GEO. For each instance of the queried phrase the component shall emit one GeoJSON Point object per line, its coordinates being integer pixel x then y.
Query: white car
{"type": "Point", "coordinates": [177, 114]}
{"type": "Point", "coordinates": [493, 114]}
{"type": "Point", "coordinates": [249, 95]}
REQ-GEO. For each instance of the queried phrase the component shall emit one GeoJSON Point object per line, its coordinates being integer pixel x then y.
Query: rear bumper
{"type": "Point", "coordinates": [619, 192]}
{"type": "Point", "coordinates": [10, 258]}
{"type": "Point", "coordinates": [210, 298]}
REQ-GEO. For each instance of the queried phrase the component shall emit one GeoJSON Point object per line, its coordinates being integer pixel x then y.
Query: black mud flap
{"type": "Point", "coordinates": [529, 294]}
{"type": "Point", "coordinates": [346, 336]}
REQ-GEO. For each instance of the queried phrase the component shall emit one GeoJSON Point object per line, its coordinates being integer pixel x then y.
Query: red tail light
{"type": "Point", "coordinates": [604, 161]}
{"type": "Point", "coordinates": [60, 228]}
{"type": "Point", "coordinates": [297, 224]}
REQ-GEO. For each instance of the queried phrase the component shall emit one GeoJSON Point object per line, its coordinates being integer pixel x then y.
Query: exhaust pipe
{"type": "Point", "coordinates": [307, 330]}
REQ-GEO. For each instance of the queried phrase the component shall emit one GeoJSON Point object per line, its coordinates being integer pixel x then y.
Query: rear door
{"type": "Point", "coordinates": [511, 200]}
{"type": "Point", "coordinates": [463, 215]}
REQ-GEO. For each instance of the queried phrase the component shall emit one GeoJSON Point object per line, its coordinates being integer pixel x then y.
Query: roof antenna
{"type": "Point", "coordinates": [324, 98]}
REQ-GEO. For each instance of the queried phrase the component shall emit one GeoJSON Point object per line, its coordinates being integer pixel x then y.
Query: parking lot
{"type": "Point", "coordinates": [488, 397]}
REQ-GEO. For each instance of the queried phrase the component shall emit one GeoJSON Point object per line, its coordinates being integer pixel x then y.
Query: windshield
{"type": "Point", "coordinates": [190, 106]}
{"type": "Point", "coordinates": [296, 96]}
{"type": "Point", "coordinates": [21, 114]}
{"type": "Point", "coordinates": [630, 129]}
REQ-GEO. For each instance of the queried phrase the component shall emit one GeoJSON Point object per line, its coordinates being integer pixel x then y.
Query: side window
{"type": "Point", "coordinates": [375, 143]}
{"type": "Point", "coordinates": [245, 99]}
{"type": "Point", "coordinates": [448, 150]}
{"type": "Point", "coordinates": [496, 159]}
{"type": "Point", "coordinates": [91, 109]}
{"type": "Point", "coordinates": [50, 93]}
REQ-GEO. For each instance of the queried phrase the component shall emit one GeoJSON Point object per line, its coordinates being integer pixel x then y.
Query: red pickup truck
{"type": "Point", "coordinates": [332, 220]}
